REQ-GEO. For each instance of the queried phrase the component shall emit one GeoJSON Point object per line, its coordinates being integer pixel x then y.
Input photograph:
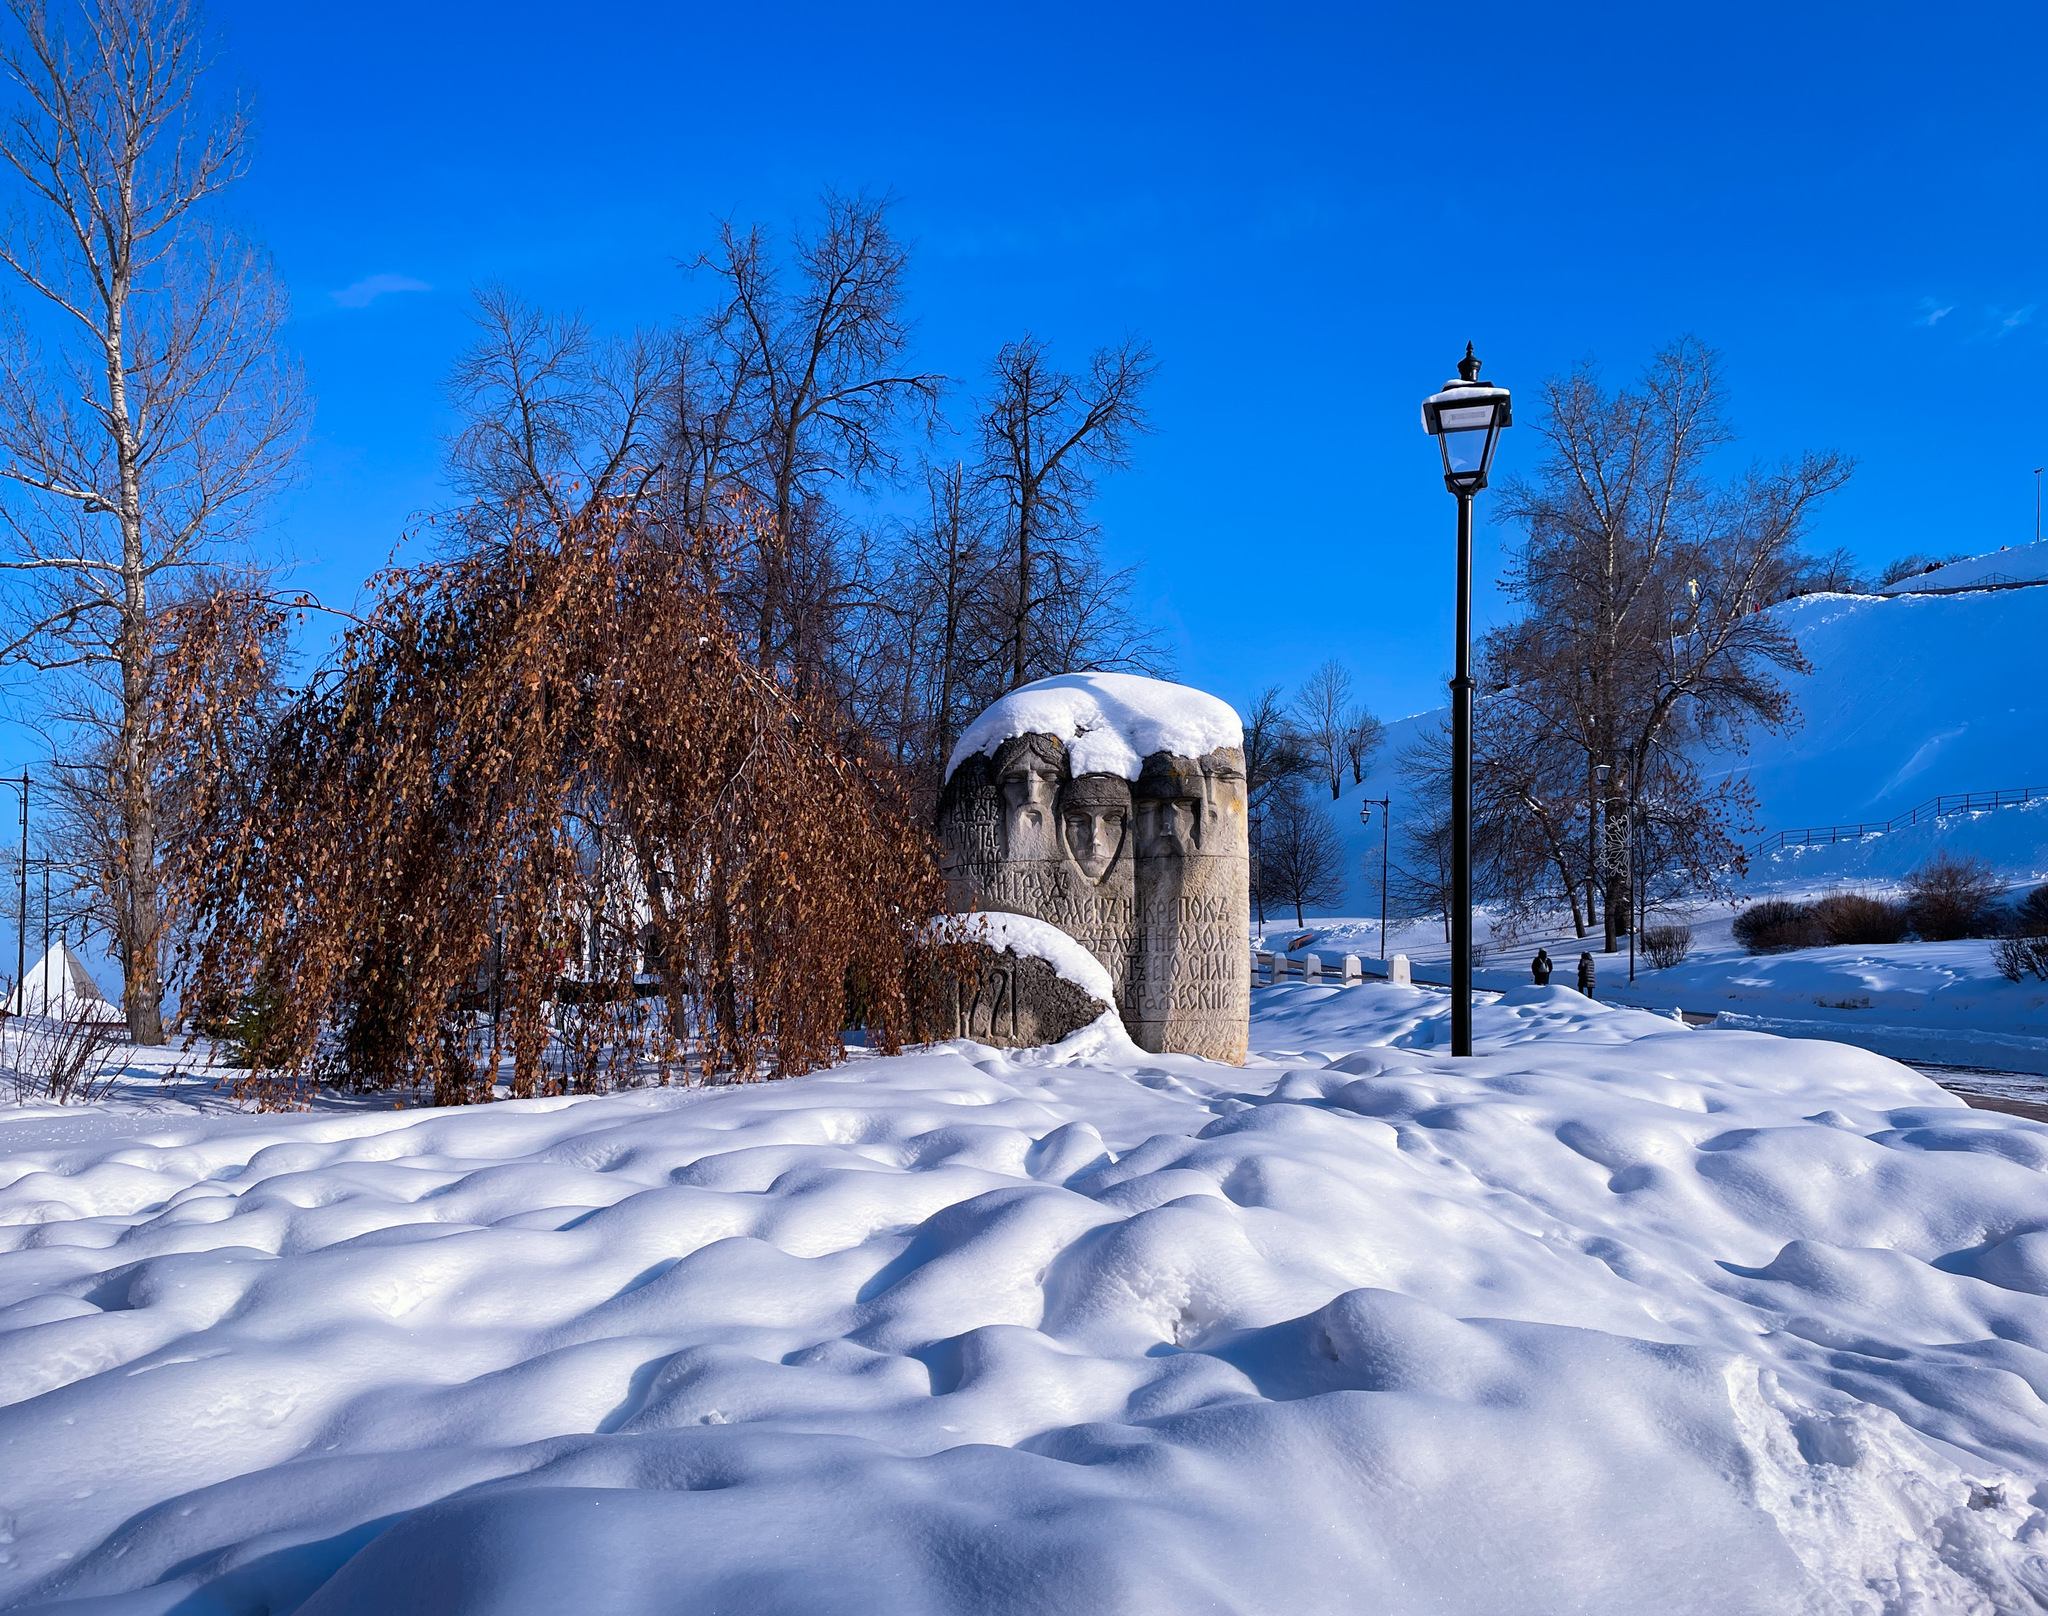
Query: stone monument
{"type": "Point", "coordinates": [1113, 807]}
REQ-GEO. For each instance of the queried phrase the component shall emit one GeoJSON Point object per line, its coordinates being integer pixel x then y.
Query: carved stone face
{"type": "Point", "coordinates": [1169, 804]}
{"type": "Point", "coordinates": [1028, 768]}
{"type": "Point", "coordinates": [1169, 827]}
{"type": "Point", "coordinates": [1224, 801]}
{"type": "Point", "coordinates": [1094, 837]}
{"type": "Point", "coordinates": [1095, 814]}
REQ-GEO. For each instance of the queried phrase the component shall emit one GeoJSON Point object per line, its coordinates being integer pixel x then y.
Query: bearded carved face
{"type": "Point", "coordinates": [1028, 768]}
{"type": "Point", "coordinates": [1169, 803]}
{"type": "Point", "coordinates": [1169, 827]}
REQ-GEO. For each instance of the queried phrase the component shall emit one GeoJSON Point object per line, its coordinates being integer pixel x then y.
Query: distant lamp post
{"type": "Point", "coordinates": [1466, 419]}
{"type": "Point", "coordinates": [1386, 826]}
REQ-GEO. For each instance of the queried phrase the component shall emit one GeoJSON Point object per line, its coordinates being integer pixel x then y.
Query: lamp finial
{"type": "Point", "coordinates": [1468, 367]}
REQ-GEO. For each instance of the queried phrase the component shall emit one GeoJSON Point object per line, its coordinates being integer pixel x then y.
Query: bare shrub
{"type": "Point", "coordinates": [1667, 945]}
{"type": "Point", "coordinates": [2018, 957]}
{"type": "Point", "coordinates": [1776, 925]}
{"type": "Point", "coordinates": [1950, 897]}
{"type": "Point", "coordinates": [2030, 914]}
{"type": "Point", "coordinates": [1856, 917]}
{"type": "Point", "coordinates": [70, 1059]}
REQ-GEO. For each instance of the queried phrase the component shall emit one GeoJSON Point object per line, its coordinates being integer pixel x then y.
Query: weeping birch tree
{"type": "Point", "coordinates": [146, 409]}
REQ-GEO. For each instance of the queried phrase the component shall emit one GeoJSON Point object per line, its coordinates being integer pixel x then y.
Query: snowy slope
{"type": "Point", "coordinates": [1616, 1318]}
{"type": "Point", "coordinates": [1909, 698]}
{"type": "Point", "coordinates": [2018, 563]}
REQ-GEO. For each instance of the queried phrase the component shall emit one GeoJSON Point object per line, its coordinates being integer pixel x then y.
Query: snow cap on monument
{"type": "Point", "coordinates": [1109, 722]}
{"type": "Point", "coordinates": [1113, 807]}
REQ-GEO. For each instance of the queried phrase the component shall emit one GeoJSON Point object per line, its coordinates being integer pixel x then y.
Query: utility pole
{"type": "Point", "coordinates": [21, 915]}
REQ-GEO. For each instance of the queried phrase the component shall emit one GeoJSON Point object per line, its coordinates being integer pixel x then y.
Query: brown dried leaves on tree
{"type": "Point", "coordinates": [554, 759]}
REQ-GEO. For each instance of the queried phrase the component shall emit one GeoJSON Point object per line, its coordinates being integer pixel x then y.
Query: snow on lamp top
{"type": "Point", "coordinates": [1110, 722]}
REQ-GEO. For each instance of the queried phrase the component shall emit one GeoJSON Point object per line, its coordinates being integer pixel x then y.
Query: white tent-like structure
{"type": "Point", "coordinates": [58, 984]}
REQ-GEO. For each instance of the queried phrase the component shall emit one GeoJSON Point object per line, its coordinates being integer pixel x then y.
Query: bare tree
{"type": "Point", "coordinates": [812, 364]}
{"type": "Point", "coordinates": [1363, 736]}
{"type": "Point", "coordinates": [145, 407]}
{"type": "Point", "coordinates": [1421, 883]}
{"type": "Point", "coordinates": [1273, 757]}
{"type": "Point", "coordinates": [1301, 861]}
{"type": "Point", "coordinates": [554, 417]}
{"type": "Point", "coordinates": [1045, 433]}
{"type": "Point", "coordinates": [1324, 717]}
{"type": "Point", "coordinates": [932, 618]}
{"type": "Point", "coordinates": [1643, 583]}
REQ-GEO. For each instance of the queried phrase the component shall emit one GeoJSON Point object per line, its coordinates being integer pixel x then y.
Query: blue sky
{"type": "Point", "coordinates": [1306, 210]}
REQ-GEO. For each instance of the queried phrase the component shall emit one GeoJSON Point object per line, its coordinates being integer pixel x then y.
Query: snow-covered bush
{"type": "Point", "coordinates": [1667, 945]}
{"type": "Point", "coordinates": [1778, 924]}
{"type": "Point", "coordinates": [1950, 897]}
{"type": "Point", "coordinates": [1857, 917]}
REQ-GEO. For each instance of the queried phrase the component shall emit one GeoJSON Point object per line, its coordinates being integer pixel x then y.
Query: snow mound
{"type": "Point", "coordinates": [1614, 1317]}
{"type": "Point", "coordinates": [1030, 938]}
{"type": "Point", "coordinates": [1111, 722]}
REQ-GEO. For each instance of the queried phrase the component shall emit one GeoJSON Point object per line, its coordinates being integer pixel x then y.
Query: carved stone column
{"type": "Point", "coordinates": [1190, 985]}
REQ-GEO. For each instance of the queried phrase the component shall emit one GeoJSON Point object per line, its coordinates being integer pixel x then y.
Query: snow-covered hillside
{"type": "Point", "coordinates": [2017, 563]}
{"type": "Point", "coordinates": [1909, 698]}
{"type": "Point", "coordinates": [1617, 1317]}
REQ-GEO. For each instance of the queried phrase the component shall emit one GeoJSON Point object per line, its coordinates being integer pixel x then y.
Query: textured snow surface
{"type": "Point", "coordinates": [1617, 1317]}
{"type": "Point", "coordinates": [1111, 722]}
{"type": "Point", "coordinates": [1031, 938]}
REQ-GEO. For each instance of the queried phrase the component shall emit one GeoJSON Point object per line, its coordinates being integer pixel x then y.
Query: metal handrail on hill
{"type": "Point", "coordinates": [1965, 802]}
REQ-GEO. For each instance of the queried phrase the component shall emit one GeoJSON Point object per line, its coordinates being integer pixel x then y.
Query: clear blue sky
{"type": "Point", "coordinates": [1306, 210]}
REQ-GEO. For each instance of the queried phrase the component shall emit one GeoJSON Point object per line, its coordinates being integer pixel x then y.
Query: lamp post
{"type": "Point", "coordinates": [1386, 827]}
{"type": "Point", "coordinates": [21, 913]}
{"type": "Point", "coordinates": [1465, 418]}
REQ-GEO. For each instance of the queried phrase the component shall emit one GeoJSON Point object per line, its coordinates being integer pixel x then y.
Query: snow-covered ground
{"type": "Point", "coordinates": [1617, 1317]}
{"type": "Point", "coordinates": [1941, 1003]}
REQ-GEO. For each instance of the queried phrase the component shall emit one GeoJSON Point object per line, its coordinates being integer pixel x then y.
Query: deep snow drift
{"type": "Point", "coordinates": [1618, 1317]}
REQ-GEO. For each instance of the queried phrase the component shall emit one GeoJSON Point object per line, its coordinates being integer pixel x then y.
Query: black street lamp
{"type": "Point", "coordinates": [1386, 828]}
{"type": "Point", "coordinates": [1466, 420]}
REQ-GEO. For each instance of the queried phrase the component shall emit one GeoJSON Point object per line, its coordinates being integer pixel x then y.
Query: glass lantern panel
{"type": "Point", "coordinates": [1465, 417]}
{"type": "Point", "coordinates": [1465, 451]}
